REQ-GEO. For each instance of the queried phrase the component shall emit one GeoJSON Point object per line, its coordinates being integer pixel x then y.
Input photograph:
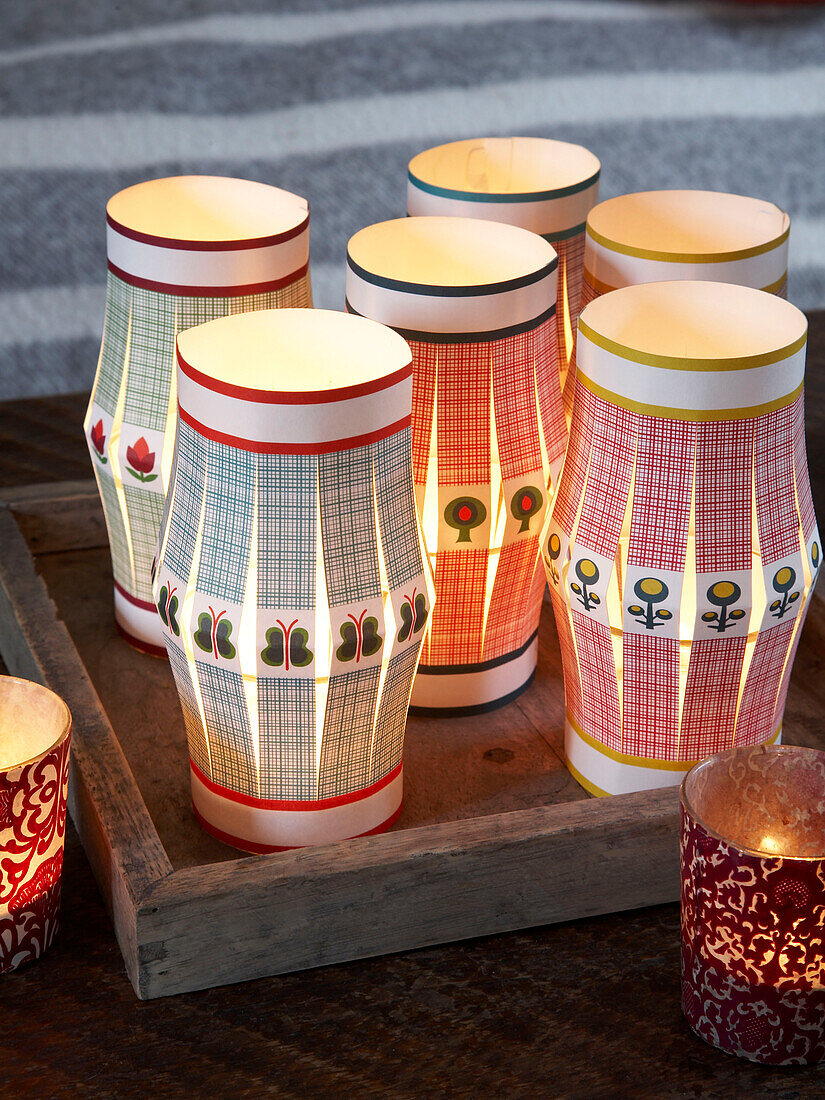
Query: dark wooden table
{"type": "Point", "coordinates": [586, 1010]}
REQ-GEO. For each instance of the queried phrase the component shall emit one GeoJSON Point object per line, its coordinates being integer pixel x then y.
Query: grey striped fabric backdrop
{"type": "Point", "coordinates": [330, 98]}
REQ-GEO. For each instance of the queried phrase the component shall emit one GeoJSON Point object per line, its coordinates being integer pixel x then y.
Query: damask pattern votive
{"type": "Point", "coordinates": [753, 903]}
{"type": "Point", "coordinates": [35, 734]}
{"type": "Point", "coordinates": [682, 546]}
{"type": "Point", "coordinates": [476, 301]}
{"type": "Point", "coordinates": [181, 251]}
{"type": "Point", "coordinates": [290, 580]}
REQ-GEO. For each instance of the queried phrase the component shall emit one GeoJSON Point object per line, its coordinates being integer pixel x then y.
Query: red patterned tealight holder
{"type": "Point", "coordinates": [35, 732]}
{"type": "Point", "coordinates": [753, 903]}
{"type": "Point", "coordinates": [291, 580]}
{"type": "Point", "coordinates": [476, 301]}
{"type": "Point", "coordinates": [181, 251]}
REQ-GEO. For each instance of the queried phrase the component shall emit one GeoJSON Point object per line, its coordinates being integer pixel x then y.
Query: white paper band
{"type": "Point", "coordinates": [473, 689]}
{"type": "Point", "coordinates": [543, 216]}
{"type": "Point", "coordinates": [138, 622]}
{"type": "Point", "coordinates": [199, 268]}
{"type": "Point", "coordinates": [274, 828]}
{"type": "Point", "coordinates": [689, 390]}
{"type": "Point", "coordinates": [616, 269]}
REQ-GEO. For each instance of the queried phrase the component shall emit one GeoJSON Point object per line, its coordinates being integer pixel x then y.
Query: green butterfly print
{"type": "Point", "coordinates": [413, 615]}
{"type": "Point", "coordinates": [360, 638]}
{"type": "Point", "coordinates": [168, 609]}
{"type": "Point", "coordinates": [212, 635]}
{"type": "Point", "coordinates": [287, 645]}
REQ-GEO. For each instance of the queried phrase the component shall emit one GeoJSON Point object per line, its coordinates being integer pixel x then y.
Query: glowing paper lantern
{"type": "Point", "coordinates": [542, 185]}
{"type": "Point", "coordinates": [753, 903]}
{"type": "Point", "coordinates": [35, 730]}
{"type": "Point", "coordinates": [290, 579]}
{"type": "Point", "coordinates": [181, 251]}
{"type": "Point", "coordinates": [489, 432]}
{"type": "Point", "coordinates": [682, 545]}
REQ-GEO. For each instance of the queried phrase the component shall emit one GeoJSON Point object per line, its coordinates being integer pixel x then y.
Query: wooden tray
{"type": "Point", "coordinates": [494, 835]}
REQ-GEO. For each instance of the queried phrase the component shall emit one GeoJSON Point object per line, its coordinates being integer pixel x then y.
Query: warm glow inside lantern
{"type": "Point", "coordinates": [545, 186]}
{"type": "Point", "coordinates": [475, 299]}
{"type": "Point", "coordinates": [181, 251]}
{"type": "Point", "coordinates": [753, 903]}
{"type": "Point", "coordinates": [682, 545]}
{"type": "Point", "coordinates": [291, 579]}
{"type": "Point", "coordinates": [35, 729]}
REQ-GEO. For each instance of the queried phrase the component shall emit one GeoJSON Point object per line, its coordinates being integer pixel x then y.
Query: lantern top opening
{"type": "Point", "coordinates": [688, 226]}
{"type": "Point", "coordinates": [294, 350]}
{"type": "Point", "coordinates": [450, 252]}
{"type": "Point", "coordinates": [768, 800]}
{"type": "Point", "coordinates": [33, 720]}
{"type": "Point", "coordinates": [711, 326]}
{"type": "Point", "coordinates": [207, 209]}
{"type": "Point", "coordinates": [526, 167]}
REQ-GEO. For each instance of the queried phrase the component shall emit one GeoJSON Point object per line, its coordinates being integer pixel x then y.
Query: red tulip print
{"type": "Point", "coordinates": [98, 440]}
{"type": "Point", "coordinates": [141, 461]}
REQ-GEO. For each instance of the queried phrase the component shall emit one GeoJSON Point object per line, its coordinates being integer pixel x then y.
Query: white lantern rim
{"type": "Point", "coordinates": [688, 226]}
{"type": "Point", "coordinates": [505, 169]}
{"type": "Point", "coordinates": [287, 356]}
{"type": "Point", "coordinates": [207, 213]}
{"type": "Point", "coordinates": [695, 325]}
{"type": "Point", "coordinates": [449, 256]}
{"type": "Point", "coordinates": [34, 722]}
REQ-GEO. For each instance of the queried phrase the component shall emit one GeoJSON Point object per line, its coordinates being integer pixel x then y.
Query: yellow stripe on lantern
{"type": "Point", "coordinates": [605, 288]}
{"type": "Point", "coordinates": [588, 786]}
{"type": "Point", "coordinates": [703, 415]}
{"type": "Point", "coordinates": [642, 761]}
{"type": "Point", "coordinates": [672, 362]}
{"type": "Point", "coordinates": [687, 257]}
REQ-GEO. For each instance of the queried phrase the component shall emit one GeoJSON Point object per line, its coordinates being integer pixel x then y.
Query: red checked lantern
{"type": "Point", "coordinates": [476, 301]}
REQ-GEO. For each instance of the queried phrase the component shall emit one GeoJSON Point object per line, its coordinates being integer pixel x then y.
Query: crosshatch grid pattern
{"type": "Point", "coordinates": [711, 695]}
{"type": "Point", "coordinates": [803, 484]}
{"type": "Point", "coordinates": [346, 748]}
{"type": "Point", "coordinates": [118, 544]}
{"type": "Point", "coordinates": [719, 458]}
{"type": "Point", "coordinates": [463, 413]}
{"type": "Point", "coordinates": [286, 717]}
{"type": "Point", "coordinates": [223, 478]}
{"type": "Point", "coordinates": [776, 513]}
{"type": "Point", "coordinates": [758, 710]}
{"type": "Point", "coordinates": [345, 489]}
{"type": "Point", "coordinates": [286, 536]}
{"type": "Point", "coordinates": [511, 623]}
{"type": "Point", "coordinates": [191, 717]}
{"type": "Point", "coordinates": [144, 511]}
{"type": "Point", "coordinates": [229, 507]}
{"type": "Point", "coordinates": [571, 275]}
{"type": "Point", "coordinates": [458, 613]}
{"type": "Point", "coordinates": [724, 473]}
{"type": "Point", "coordinates": [548, 390]}
{"type": "Point", "coordinates": [598, 673]}
{"type": "Point", "coordinates": [514, 396]}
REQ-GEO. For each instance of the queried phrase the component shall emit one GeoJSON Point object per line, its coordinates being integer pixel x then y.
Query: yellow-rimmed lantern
{"type": "Point", "coordinates": [682, 546]}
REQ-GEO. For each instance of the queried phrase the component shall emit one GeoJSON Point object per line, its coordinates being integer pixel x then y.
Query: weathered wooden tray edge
{"type": "Point", "coordinates": [260, 915]}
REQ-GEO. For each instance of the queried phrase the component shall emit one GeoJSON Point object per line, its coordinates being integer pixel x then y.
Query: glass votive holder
{"type": "Point", "coordinates": [753, 903]}
{"type": "Point", "coordinates": [35, 732]}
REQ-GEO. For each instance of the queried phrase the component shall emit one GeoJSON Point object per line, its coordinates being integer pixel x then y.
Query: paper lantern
{"type": "Point", "coordinates": [291, 580]}
{"type": "Point", "coordinates": [35, 730]}
{"type": "Point", "coordinates": [682, 545]}
{"type": "Point", "coordinates": [753, 903]}
{"type": "Point", "coordinates": [538, 184]}
{"type": "Point", "coordinates": [181, 251]}
{"type": "Point", "coordinates": [489, 432]}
